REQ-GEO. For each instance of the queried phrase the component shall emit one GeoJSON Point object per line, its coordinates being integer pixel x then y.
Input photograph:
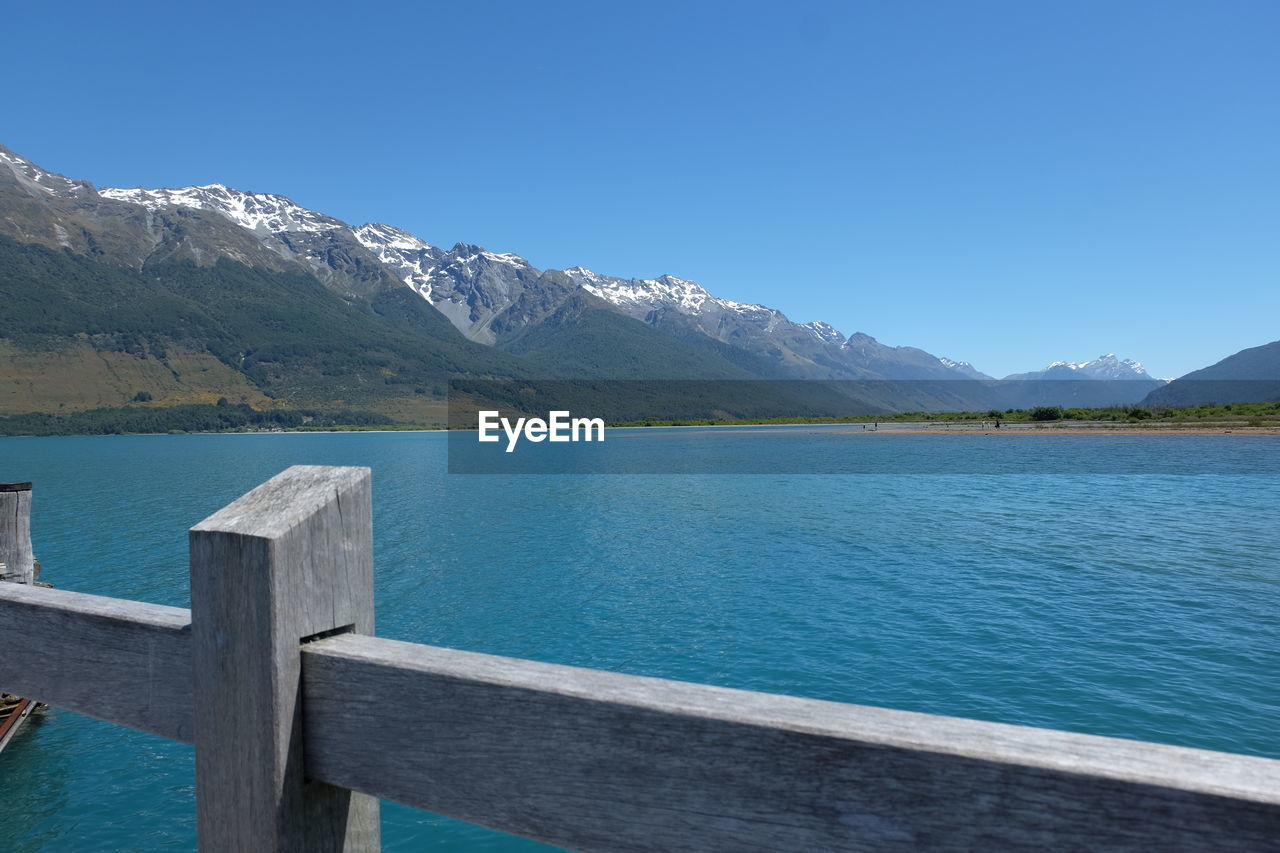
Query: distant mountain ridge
{"type": "Point", "coordinates": [1106, 367]}
{"type": "Point", "coordinates": [473, 287]}
{"type": "Point", "coordinates": [964, 368]}
{"type": "Point", "coordinates": [1249, 376]}
{"type": "Point", "coordinates": [419, 313]}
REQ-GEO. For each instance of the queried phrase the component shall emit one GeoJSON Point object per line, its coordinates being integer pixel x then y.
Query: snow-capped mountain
{"type": "Point", "coordinates": [964, 369]}
{"type": "Point", "coordinates": [325, 246]}
{"type": "Point", "coordinates": [825, 332]}
{"type": "Point", "coordinates": [646, 298]}
{"type": "Point", "coordinates": [46, 208]}
{"type": "Point", "coordinates": [392, 321]}
{"type": "Point", "coordinates": [474, 287]}
{"type": "Point", "coordinates": [260, 212]}
{"type": "Point", "coordinates": [31, 175]}
{"type": "Point", "coordinates": [867, 345]}
{"type": "Point", "coordinates": [487, 295]}
{"type": "Point", "coordinates": [640, 296]}
{"type": "Point", "coordinates": [779, 346]}
{"type": "Point", "coordinates": [1105, 367]}
{"type": "Point", "coordinates": [468, 284]}
{"type": "Point", "coordinates": [412, 259]}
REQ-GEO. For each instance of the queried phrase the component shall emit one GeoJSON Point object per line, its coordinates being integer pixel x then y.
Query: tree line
{"type": "Point", "coordinates": [223, 417]}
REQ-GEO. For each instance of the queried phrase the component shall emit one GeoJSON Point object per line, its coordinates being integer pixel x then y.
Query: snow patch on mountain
{"type": "Point", "coordinates": [376, 235]}
{"type": "Point", "coordinates": [430, 271]}
{"type": "Point", "coordinates": [666, 291]}
{"type": "Point", "coordinates": [1106, 367]}
{"type": "Point", "coordinates": [258, 212]}
{"type": "Point", "coordinates": [825, 332]}
{"type": "Point", "coordinates": [413, 260]}
{"type": "Point", "coordinates": [465, 254]}
{"type": "Point", "coordinates": [963, 368]}
{"type": "Point", "coordinates": [32, 176]}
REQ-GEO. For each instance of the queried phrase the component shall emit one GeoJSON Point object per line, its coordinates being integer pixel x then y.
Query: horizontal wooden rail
{"type": "Point", "coordinates": [122, 661]}
{"type": "Point", "coordinates": [603, 761]}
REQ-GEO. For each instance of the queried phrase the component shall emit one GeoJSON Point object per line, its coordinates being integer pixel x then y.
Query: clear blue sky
{"type": "Point", "coordinates": [1008, 183]}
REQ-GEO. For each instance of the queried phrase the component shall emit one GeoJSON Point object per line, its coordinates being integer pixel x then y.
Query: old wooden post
{"type": "Point", "coordinates": [289, 561]}
{"type": "Point", "coordinates": [15, 533]}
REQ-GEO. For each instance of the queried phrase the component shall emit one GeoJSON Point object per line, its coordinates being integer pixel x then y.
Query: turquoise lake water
{"type": "Point", "coordinates": [1130, 605]}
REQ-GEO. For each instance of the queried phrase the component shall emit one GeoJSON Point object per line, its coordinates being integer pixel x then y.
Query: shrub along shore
{"type": "Point", "coordinates": [226, 417]}
{"type": "Point", "coordinates": [1250, 414]}
{"type": "Point", "coordinates": [222, 417]}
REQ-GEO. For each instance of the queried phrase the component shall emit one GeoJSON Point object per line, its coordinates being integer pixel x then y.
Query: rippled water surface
{"type": "Point", "coordinates": [1139, 606]}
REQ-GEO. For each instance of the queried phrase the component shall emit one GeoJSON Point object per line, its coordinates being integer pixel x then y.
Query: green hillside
{"type": "Point", "coordinates": [281, 334]}
{"type": "Point", "coordinates": [580, 339]}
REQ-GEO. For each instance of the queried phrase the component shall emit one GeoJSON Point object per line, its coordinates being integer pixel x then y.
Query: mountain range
{"type": "Point", "coordinates": [1107, 368]}
{"type": "Point", "coordinates": [499, 299]}
{"type": "Point", "coordinates": [193, 294]}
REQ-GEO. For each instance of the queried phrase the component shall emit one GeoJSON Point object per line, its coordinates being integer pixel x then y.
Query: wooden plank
{"type": "Point", "coordinates": [122, 661]}
{"type": "Point", "coordinates": [15, 533]}
{"type": "Point", "coordinates": [597, 760]}
{"type": "Point", "coordinates": [291, 559]}
{"type": "Point", "coordinates": [600, 761]}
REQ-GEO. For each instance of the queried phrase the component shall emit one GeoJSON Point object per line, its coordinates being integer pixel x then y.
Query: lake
{"type": "Point", "coordinates": [1133, 605]}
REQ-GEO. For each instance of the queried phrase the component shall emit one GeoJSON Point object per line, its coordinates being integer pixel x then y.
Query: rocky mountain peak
{"type": "Point", "coordinates": [38, 181]}
{"type": "Point", "coordinates": [1107, 367]}
{"type": "Point", "coordinates": [260, 212]}
{"type": "Point", "coordinates": [825, 332]}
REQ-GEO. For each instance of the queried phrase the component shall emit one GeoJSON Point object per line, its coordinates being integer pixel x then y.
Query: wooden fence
{"type": "Point", "coordinates": [301, 719]}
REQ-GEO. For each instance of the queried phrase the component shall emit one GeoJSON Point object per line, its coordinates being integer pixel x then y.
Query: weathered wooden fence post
{"type": "Point", "coordinates": [290, 560]}
{"type": "Point", "coordinates": [15, 533]}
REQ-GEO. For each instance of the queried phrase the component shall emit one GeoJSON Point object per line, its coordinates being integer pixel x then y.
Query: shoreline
{"type": "Point", "coordinates": [957, 428]}
{"type": "Point", "coordinates": [1088, 431]}
{"type": "Point", "coordinates": [964, 428]}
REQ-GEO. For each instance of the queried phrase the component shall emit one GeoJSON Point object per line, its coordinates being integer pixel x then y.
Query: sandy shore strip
{"type": "Point", "coordinates": [1076, 430]}
{"type": "Point", "coordinates": [972, 429]}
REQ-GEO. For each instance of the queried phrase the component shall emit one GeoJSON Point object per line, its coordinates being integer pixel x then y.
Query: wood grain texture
{"type": "Point", "coordinates": [600, 761]}
{"type": "Point", "coordinates": [290, 559]}
{"type": "Point", "coordinates": [121, 661]}
{"type": "Point", "coordinates": [597, 760]}
{"type": "Point", "coordinates": [15, 533]}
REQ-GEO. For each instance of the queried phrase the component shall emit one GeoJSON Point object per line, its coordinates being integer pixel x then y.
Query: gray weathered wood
{"type": "Point", "coordinates": [122, 661]}
{"type": "Point", "coordinates": [15, 533]}
{"type": "Point", "coordinates": [600, 761]}
{"type": "Point", "coordinates": [291, 559]}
